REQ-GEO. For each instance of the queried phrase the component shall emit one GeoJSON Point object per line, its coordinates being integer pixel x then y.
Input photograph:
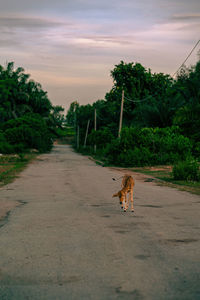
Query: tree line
{"type": "Point", "coordinates": [160, 119]}
{"type": "Point", "coordinates": [28, 120]}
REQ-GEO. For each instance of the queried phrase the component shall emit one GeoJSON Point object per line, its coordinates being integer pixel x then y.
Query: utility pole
{"type": "Point", "coordinates": [75, 127]}
{"type": "Point", "coordinates": [77, 138]}
{"type": "Point", "coordinates": [95, 127]}
{"type": "Point", "coordinates": [86, 134]}
{"type": "Point", "coordinates": [121, 114]}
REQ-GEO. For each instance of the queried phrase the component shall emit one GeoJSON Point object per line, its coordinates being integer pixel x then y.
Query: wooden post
{"type": "Point", "coordinates": [121, 114]}
{"type": "Point", "coordinates": [75, 127]}
{"type": "Point", "coordinates": [77, 137]}
{"type": "Point", "coordinates": [86, 134]}
{"type": "Point", "coordinates": [95, 127]}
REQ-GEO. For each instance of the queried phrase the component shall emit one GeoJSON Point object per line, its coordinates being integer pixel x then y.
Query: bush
{"type": "Point", "coordinates": [136, 157]}
{"type": "Point", "coordinates": [186, 170]}
{"type": "Point", "coordinates": [100, 137]}
{"type": "Point", "coordinates": [19, 148]}
{"type": "Point", "coordinates": [148, 146]}
{"type": "Point", "coordinates": [170, 145]}
{"type": "Point", "coordinates": [196, 150]}
{"type": "Point", "coordinates": [28, 132]}
{"type": "Point", "coordinates": [6, 148]}
{"type": "Point", "coordinates": [113, 151]}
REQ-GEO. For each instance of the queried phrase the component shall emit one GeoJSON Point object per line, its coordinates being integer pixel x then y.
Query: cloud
{"type": "Point", "coordinates": [29, 31]}
{"type": "Point", "coordinates": [62, 6]}
{"type": "Point", "coordinates": [186, 17]}
{"type": "Point", "coordinates": [59, 35]}
{"type": "Point", "coordinates": [28, 22]}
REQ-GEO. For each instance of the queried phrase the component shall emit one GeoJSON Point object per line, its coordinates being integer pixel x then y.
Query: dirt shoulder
{"type": "Point", "coordinates": [10, 167]}
{"type": "Point", "coordinates": [6, 207]}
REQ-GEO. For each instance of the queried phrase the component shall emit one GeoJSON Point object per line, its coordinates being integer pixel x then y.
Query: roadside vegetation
{"type": "Point", "coordinates": [11, 165]}
{"type": "Point", "coordinates": [28, 121]}
{"type": "Point", "coordinates": [162, 175]}
{"type": "Point", "coordinates": [160, 121]}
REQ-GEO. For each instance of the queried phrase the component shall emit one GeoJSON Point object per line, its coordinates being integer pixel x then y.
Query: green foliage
{"type": "Point", "coordinates": [27, 117]}
{"type": "Point", "coordinates": [100, 137]}
{"type": "Point", "coordinates": [188, 119]}
{"type": "Point", "coordinates": [186, 170]}
{"type": "Point", "coordinates": [18, 95]}
{"type": "Point", "coordinates": [151, 105]}
{"type": "Point", "coordinates": [5, 147]}
{"type": "Point", "coordinates": [133, 78]}
{"type": "Point", "coordinates": [187, 116]}
{"type": "Point", "coordinates": [148, 146]}
{"type": "Point", "coordinates": [31, 131]}
{"type": "Point", "coordinates": [136, 157]}
{"type": "Point", "coordinates": [56, 118]}
{"type": "Point", "coordinates": [71, 114]}
{"type": "Point", "coordinates": [2, 137]}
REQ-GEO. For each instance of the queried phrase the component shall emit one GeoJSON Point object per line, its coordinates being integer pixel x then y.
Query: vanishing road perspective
{"type": "Point", "coordinates": [69, 239]}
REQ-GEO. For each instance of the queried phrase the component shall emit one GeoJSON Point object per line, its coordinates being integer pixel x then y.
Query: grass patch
{"type": "Point", "coordinates": [12, 165]}
{"type": "Point", "coordinates": [67, 136]}
{"type": "Point", "coordinates": [164, 174]}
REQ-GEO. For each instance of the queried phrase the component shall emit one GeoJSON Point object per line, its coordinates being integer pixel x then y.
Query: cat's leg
{"type": "Point", "coordinates": [131, 198]}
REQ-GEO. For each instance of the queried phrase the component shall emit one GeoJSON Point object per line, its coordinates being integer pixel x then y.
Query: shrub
{"type": "Point", "coordinates": [196, 150]}
{"type": "Point", "coordinates": [100, 137]}
{"type": "Point", "coordinates": [113, 151]}
{"type": "Point", "coordinates": [170, 145]}
{"type": "Point", "coordinates": [148, 146]}
{"type": "Point", "coordinates": [6, 148]}
{"type": "Point", "coordinates": [136, 157]}
{"type": "Point", "coordinates": [28, 132]}
{"type": "Point", "coordinates": [186, 170]}
{"type": "Point", "coordinates": [19, 148]}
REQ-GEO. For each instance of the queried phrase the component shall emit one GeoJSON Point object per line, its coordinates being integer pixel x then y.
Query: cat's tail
{"type": "Point", "coordinates": [115, 179]}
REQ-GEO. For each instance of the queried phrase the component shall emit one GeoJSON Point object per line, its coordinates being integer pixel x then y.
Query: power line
{"type": "Point", "coordinates": [186, 58]}
{"type": "Point", "coordinates": [99, 117]}
{"type": "Point", "coordinates": [138, 101]}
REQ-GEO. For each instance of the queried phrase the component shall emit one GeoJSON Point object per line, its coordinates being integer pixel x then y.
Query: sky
{"type": "Point", "coordinates": [70, 46]}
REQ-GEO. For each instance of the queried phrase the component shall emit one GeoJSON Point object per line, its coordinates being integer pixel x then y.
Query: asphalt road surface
{"type": "Point", "coordinates": [69, 239]}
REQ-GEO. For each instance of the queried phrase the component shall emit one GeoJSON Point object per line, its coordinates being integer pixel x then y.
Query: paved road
{"type": "Point", "coordinates": [70, 240]}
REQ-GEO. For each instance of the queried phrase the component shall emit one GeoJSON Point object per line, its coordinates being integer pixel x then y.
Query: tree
{"type": "Point", "coordinates": [147, 99]}
{"type": "Point", "coordinates": [18, 95]}
{"type": "Point", "coordinates": [188, 91]}
{"type": "Point", "coordinates": [71, 113]}
{"type": "Point", "coordinates": [27, 116]}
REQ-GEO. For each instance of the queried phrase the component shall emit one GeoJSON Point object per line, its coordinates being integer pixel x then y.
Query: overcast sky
{"type": "Point", "coordinates": [70, 46]}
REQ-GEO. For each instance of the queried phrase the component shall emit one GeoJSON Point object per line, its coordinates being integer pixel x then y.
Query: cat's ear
{"type": "Point", "coordinates": [115, 195]}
